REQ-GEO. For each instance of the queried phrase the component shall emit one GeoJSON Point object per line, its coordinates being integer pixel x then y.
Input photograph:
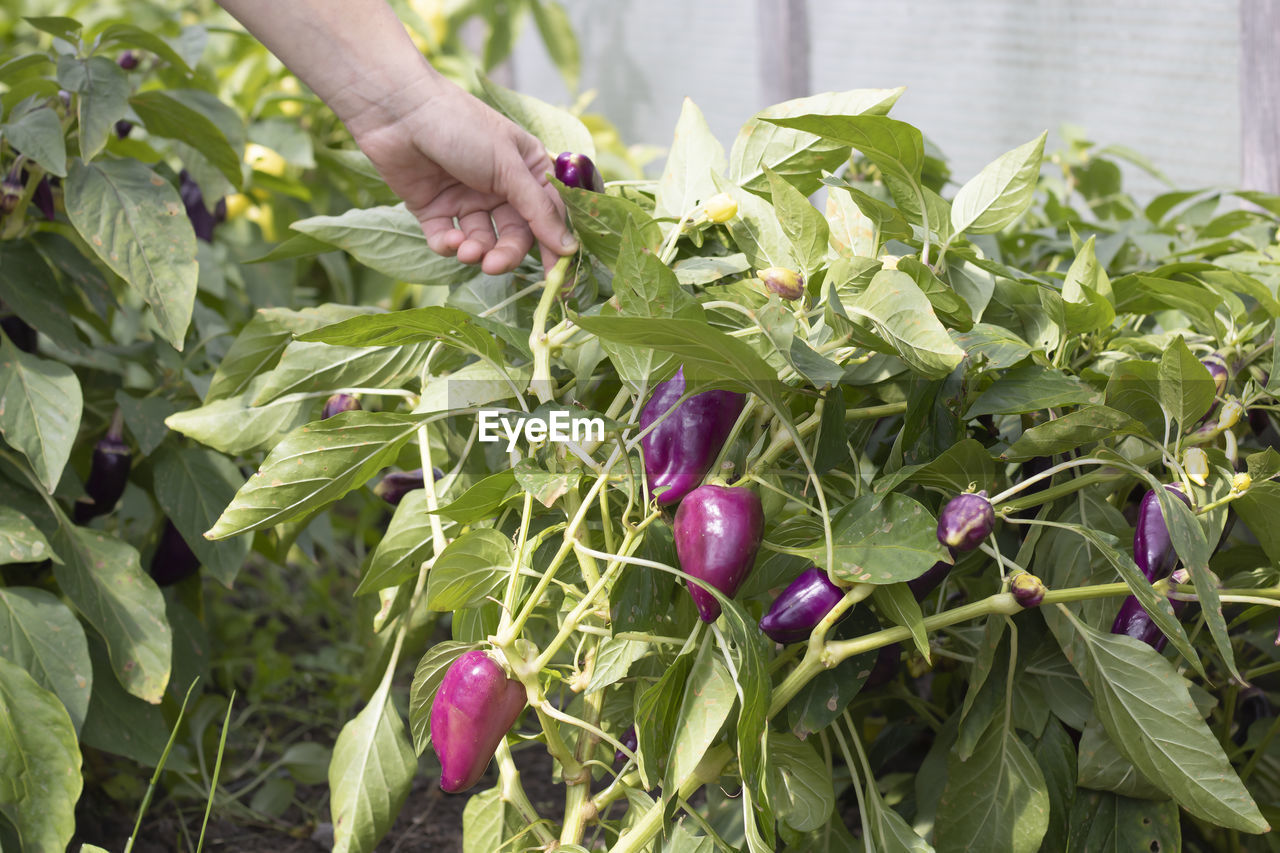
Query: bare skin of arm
{"type": "Point", "coordinates": [475, 181]}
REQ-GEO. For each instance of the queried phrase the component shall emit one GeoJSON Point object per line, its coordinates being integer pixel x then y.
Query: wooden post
{"type": "Point", "coordinates": [783, 46]}
{"type": "Point", "coordinates": [1260, 95]}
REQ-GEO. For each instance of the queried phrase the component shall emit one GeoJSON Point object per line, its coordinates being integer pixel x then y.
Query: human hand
{"type": "Point", "coordinates": [451, 157]}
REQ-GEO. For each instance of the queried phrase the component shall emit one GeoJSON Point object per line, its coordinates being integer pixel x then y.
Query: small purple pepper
{"type": "Point", "coordinates": [577, 170]}
{"type": "Point", "coordinates": [965, 521]}
{"type": "Point", "coordinates": [800, 607]}
{"type": "Point", "coordinates": [128, 60]}
{"type": "Point", "coordinates": [1028, 590]}
{"type": "Point", "coordinates": [108, 474]}
{"type": "Point", "coordinates": [202, 221]}
{"type": "Point", "coordinates": [630, 741]}
{"type": "Point", "coordinates": [174, 561]}
{"type": "Point", "coordinates": [1152, 547]}
{"type": "Point", "coordinates": [475, 707]}
{"type": "Point", "coordinates": [718, 530]}
{"type": "Point", "coordinates": [680, 451]}
{"type": "Point", "coordinates": [337, 404]}
{"type": "Point", "coordinates": [42, 198]}
{"type": "Point", "coordinates": [921, 587]}
{"type": "Point", "coordinates": [394, 486]}
{"type": "Point", "coordinates": [123, 128]}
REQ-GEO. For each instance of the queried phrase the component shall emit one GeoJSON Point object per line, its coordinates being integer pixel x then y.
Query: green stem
{"type": "Point", "coordinates": [513, 793]}
{"type": "Point", "coordinates": [538, 340]}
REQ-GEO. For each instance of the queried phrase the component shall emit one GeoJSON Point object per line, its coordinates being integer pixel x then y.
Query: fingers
{"type": "Point", "coordinates": [478, 228]}
{"type": "Point", "coordinates": [442, 237]}
{"type": "Point", "coordinates": [539, 204]}
{"type": "Point", "coordinates": [514, 241]}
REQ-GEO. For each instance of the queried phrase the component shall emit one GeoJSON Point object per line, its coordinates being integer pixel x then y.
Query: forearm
{"type": "Point", "coordinates": [354, 54]}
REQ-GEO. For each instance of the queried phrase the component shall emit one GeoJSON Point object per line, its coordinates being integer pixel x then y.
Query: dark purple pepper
{"type": "Point", "coordinates": [921, 587]}
{"type": "Point", "coordinates": [1152, 548]}
{"type": "Point", "coordinates": [42, 198]}
{"type": "Point", "coordinates": [174, 561]}
{"type": "Point", "coordinates": [1258, 421]}
{"type": "Point", "coordinates": [124, 127]}
{"type": "Point", "coordinates": [397, 484]}
{"type": "Point", "coordinates": [577, 170]}
{"type": "Point", "coordinates": [202, 221]}
{"type": "Point", "coordinates": [128, 60]}
{"type": "Point", "coordinates": [680, 451]}
{"type": "Point", "coordinates": [718, 530]}
{"type": "Point", "coordinates": [965, 521]}
{"type": "Point", "coordinates": [1028, 590]}
{"type": "Point", "coordinates": [800, 607]}
{"type": "Point", "coordinates": [475, 707]}
{"type": "Point", "coordinates": [630, 741]}
{"type": "Point", "coordinates": [1133, 621]}
{"type": "Point", "coordinates": [23, 336]}
{"type": "Point", "coordinates": [337, 404]}
{"type": "Point", "coordinates": [108, 473]}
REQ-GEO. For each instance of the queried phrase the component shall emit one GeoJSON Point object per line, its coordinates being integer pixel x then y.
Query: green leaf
{"type": "Point", "coordinates": [39, 763]}
{"type": "Point", "coordinates": [21, 541]}
{"type": "Point", "coordinates": [949, 305]}
{"type": "Point", "coordinates": [1030, 388]}
{"type": "Point", "coordinates": [1186, 388]}
{"type": "Point", "coordinates": [805, 227]}
{"type": "Point", "coordinates": [481, 500]}
{"type": "Point", "coordinates": [832, 447]}
{"type": "Point", "coordinates": [1000, 347]}
{"type": "Point", "coordinates": [234, 427]}
{"type": "Point", "coordinates": [1085, 291]}
{"type": "Point", "coordinates": [699, 271]}
{"type": "Point", "coordinates": [546, 487]}
{"type": "Point", "coordinates": [104, 93]}
{"type": "Point", "coordinates": [193, 486]}
{"type": "Point", "coordinates": [1086, 425]}
{"type": "Point", "coordinates": [405, 545]}
{"type": "Point", "coordinates": [310, 368]}
{"type": "Point", "coordinates": [103, 579]}
{"type": "Point", "coordinates": [882, 540]}
{"type": "Point", "coordinates": [389, 240]}
{"type": "Point", "coordinates": [751, 649]}
{"type": "Point", "coordinates": [558, 129]}
{"type": "Point", "coordinates": [426, 681]}
{"type": "Point", "coordinates": [135, 223]}
{"type": "Point", "coordinates": [901, 314]}
{"type": "Point", "coordinates": [559, 39]}
{"type": "Point", "coordinates": [614, 657]}
{"type": "Point", "coordinates": [897, 604]}
{"type": "Point", "coordinates": [40, 634]}
{"type": "Point", "coordinates": [1103, 768]}
{"type": "Point", "coordinates": [373, 766]}
{"type": "Point", "coordinates": [446, 325]}
{"type": "Point", "coordinates": [40, 407]}
{"type": "Point", "coordinates": [600, 219]}
{"type": "Point", "coordinates": [484, 822]}
{"type": "Point", "coordinates": [887, 219]}
{"type": "Point", "coordinates": [895, 147]}
{"type": "Point", "coordinates": [1102, 822]}
{"type": "Point", "coordinates": [799, 157]}
{"type": "Point", "coordinates": [999, 194]}
{"type": "Point", "coordinates": [890, 832]}
{"type": "Point", "coordinates": [121, 723]}
{"type": "Point", "coordinates": [853, 230]}
{"type": "Point", "coordinates": [1259, 508]}
{"type": "Point", "coordinates": [645, 286]}
{"type": "Point", "coordinates": [471, 568]}
{"type": "Point", "coordinates": [1148, 713]}
{"type": "Point", "coordinates": [30, 289]}
{"type": "Point", "coordinates": [131, 36]}
{"type": "Point", "coordinates": [825, 697]}
{"type": "Point", "coordinates": [145, 416]}
{"type": "Point", "coordinates": [997, 800]}
{"type": "Point", "coordinates": [695, 155]}
{"type": "Point", "coordinates": [38, 135]}
{"type": "Point", "coordinates": [57, 26]}
{"type": "Point", "coordinates": [756, 231]}
{"type": "Point", "coordinates": [657, 712]}
{"type": "Point", "coordinates": [799, 784]}
{"type": "Point", "coordinates": [313, 466]}
{"type": "Point", "coordinates": [709, 696]}
{"type": "Point", "coordinates": [167, 116]}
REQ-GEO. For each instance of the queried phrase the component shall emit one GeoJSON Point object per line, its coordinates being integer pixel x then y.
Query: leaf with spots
{"type": "Point", "coordinates": [135, 222]}
{"type": "Point", "coordinates": [882, 541]}
{"type": "Point", "coordinates": [20, 540]}
{"type": "Point", "coordinates": [40, 634]}
{"type": "Point", "coordinates": [104, 580]}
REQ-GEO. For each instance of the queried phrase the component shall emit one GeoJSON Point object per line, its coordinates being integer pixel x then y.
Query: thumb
{"type": "Point", "coordinates": [538, 202]}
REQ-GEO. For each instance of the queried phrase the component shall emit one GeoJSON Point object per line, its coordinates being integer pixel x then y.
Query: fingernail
{"type": "Point", "coordinates": [568, 241]}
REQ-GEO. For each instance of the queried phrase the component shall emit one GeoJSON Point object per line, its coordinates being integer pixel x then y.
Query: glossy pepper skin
{"type": "Point", "coordinates": [108, 473]}
{"type": "Point", "coordinates": [203, 221]}
{"type": "Point", "coordinates": [801, 606]}
{"type": "Point", "coordinates": [174, 561]}
{"type": "Point", "coordinates": [680, 451]}
{"type": "Point", "coordinates": [718, 530]}
{"type": "Point", "coordinates": [475, 706]}
{"type": "Point", "coordinates": [920, 587]}
{"type": "Point", "coordinates": [393, 487]}
{"type": "Point", "coordinates": [337, 404]}
{"type": "Point", "coordinates": [128, 60]}
{"type": "Point", "coordinates": [1154, 555]}
{"type": "Point", "coordinates": [1028, 590]}
{"type": "Point", "coordinates": [577, 170]}
{"type": "Point", "coordinates": [965, 521]}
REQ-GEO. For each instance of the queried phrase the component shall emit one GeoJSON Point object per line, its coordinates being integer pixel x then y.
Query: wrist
{"type": "Point", "coordinates": [387, 95]}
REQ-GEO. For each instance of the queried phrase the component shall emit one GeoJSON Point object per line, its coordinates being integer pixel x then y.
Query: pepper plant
{"type": "Point", "coordinates": [950, 408]}
{"type": "Point", "coordinates": [936, 517]}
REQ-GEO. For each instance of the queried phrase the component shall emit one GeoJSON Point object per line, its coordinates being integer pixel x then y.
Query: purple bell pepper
{"type": "Point", "coordinates": [718, 530]}
{"type": "Point", "coordinates": [680, 451]}
{"type": "Point", "coordinates": [474, 708]}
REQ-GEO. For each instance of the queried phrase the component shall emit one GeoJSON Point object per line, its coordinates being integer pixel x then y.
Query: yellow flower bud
{"type": "Point", "coordinates": [237, 204]}
{"type": "Point", "coordinates": [1196, 463]}
{"type": "Point", "coordinates": [720, 208]}
{"type": "Point", "coordinates": [264, 159]}
{"type": "Point", "coordinates": [1230, 415]}
{"type": "Point", "coordinates": [889, 262]}
{"type": "Point", "coordinates": [1241, 482]}
{"type": "Point", "coordinates": [788, 284]}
